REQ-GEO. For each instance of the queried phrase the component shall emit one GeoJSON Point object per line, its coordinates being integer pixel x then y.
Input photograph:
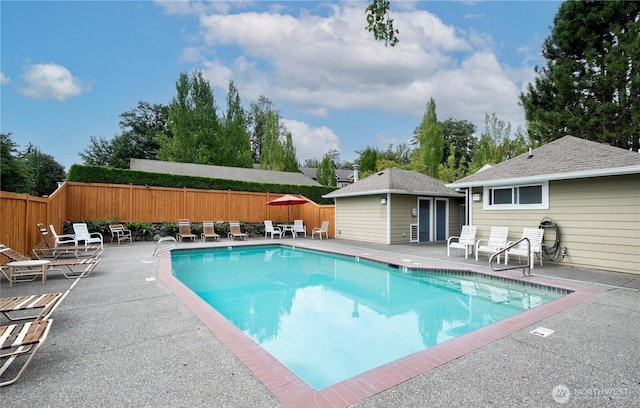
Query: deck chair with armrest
{"type": "Point", "coordinates": [48, 249]}
{"type": "Point", "coordinates": [184, 230]}
{"type": "Point", "coordinates": [269, 229]}
{"type": "Point", "coordinates": [323, 229]}
{"type": "Point", "coordinates": [120, 233]}
{"type": "Point", "coordinates": [235, 231]}
{"type": "Point", "coordinates": [209, 231]}
{"type": "Point", "coordinates": [465, 241]}
{"type": "Point", "coordinates": [65, 239]}
{"type": "Point", "coordinates": [497, 240]}
{"type": "Point", "coordinates": [82, 234]}
{"type": "Point", "coordinates": [299, 228]}
{"type": "Point", "coordinates": [70, 267]}
{"type": "Point", "coordinates": [524, 248]}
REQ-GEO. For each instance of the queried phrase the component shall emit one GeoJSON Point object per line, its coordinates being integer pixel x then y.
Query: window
{"type": "Point", "coordinates": [534, 196]}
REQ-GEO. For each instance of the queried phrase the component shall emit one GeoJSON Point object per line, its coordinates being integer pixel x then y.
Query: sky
{"type": "Point", "coordinates": [69, 69]}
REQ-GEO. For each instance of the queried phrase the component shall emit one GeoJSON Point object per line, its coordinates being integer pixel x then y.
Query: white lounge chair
{"type": "Point", "coordinates": [324, 229]}
{"type": "Point", "coordinates": [269, 229]}
{"type": "Point", "coordinates": [65, 239]}
{"type": "Point", "coordinates": [524, 248]}
{"type": "Point", "coordinates": [299, 228]}
{"type": "Point", "coordinates": [465, 241]}
{"type": "Point", "coordinates": [82, 234]}
{"type": "Point", "coordinates": [497, 241]}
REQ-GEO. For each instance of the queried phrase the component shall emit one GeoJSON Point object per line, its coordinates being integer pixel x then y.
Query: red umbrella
{"type": "Point", "coordinates": [288, 200]}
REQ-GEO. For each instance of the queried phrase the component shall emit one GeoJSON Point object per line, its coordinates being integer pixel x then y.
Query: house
{"type": "Point", "coordinates": [397, 206]}
{"type": "Point", "coordinates": [586, 195]}
{"type": "Point", "coordinates": [221, 172]}
{"type": "Point", "coordinates": [344, 177]}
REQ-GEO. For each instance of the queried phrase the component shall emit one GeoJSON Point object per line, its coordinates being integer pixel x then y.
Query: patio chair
{"type": "Point", "coordinates": [465, 241]}
{"type": "Point", "coordinates": [48, 249]}
{"type": "Point", "coordinates": [82, 234]}
{"type": "Point", "coordinates": [76, 267]}
{"type": "Point", "coordinates": [324, 229]}
{"type": "Point", "coordinates": [497, 241]}
{"type": "Point", "coordinates": [65, 239]}
{"type": "Point", "coordinates": [270, 229]}
{"type": "Point", "coordinates": [209, 231]}
{"type": "Point", "coordinates": [524, 248]}
{"type": "Point", "coordinates": [299, 228]}
{"type": "Point", "coordinates": [235, 231]}
{"type": "Point", "coordinates": [119, 232]}
{"type": "Point", "coordinates": [184, 230]}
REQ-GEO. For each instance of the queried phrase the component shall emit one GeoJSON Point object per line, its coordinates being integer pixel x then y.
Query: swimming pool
{"type": "Point", "coordinates": [330, 317]}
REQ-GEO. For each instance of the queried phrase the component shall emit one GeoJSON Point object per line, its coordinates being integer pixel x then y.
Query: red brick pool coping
{"type": "Point", "coordinates": [292, 391]}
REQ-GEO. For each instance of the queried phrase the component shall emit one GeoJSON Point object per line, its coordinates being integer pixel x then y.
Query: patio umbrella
{"type": "Point", "coordinates": [288, 200]}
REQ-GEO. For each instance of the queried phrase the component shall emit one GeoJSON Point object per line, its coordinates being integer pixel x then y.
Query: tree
{"type": "Point", "coordinates": [44, 171]}
{"type": "Point", "coordinates": [496, 144]}
{"type": "Point", "coordinates": [326, 173]}
{"type": "Point", "coordinates": [590, 86]}
{"type": "Point", "coordinates": [235, 146]}
{"type": "Point", "coordinates": [194, 122]}
{"type": "Point", "coordinates": [428, 155]}
{"type": "Point", "coordinates": [368, 161]}
{"type": "Point", "coordinates": [380, 23]}
{"type": "Point", "coordinates": [141, 128]}
{"type": "Point", "coordinates": [290, 158]}
{"type": "Point", "coordinates": [256, 120]}
{"type": "Point", "coordinates": [14, 176]}
{"type": "Point", "coordinates": [461, 135]}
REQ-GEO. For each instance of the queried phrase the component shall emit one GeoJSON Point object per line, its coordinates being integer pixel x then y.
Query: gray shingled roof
{"type": "Point", "coordinates": [565, 158]}
{"type": "Point", "coordinates": [396, 181]}
{"type": "Point", "coordinates": [341, 174]}
{"type": "Point", "coordinates": [220, 172]}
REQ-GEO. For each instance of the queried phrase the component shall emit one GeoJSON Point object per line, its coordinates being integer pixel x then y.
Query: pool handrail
{"type": "Point", "coordinates": [173, 245]}
{"type": "Point", "coordinates": [526, 269]}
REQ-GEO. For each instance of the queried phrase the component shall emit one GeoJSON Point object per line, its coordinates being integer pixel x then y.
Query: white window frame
{"type": "Point", "coordinates": [544, 205]}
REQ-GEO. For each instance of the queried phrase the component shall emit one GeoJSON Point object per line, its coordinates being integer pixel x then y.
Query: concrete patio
{"type": "Point", "coordinates": [123, 338]}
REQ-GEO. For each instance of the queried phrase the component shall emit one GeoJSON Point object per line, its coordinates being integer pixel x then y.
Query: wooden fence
{"type": "Point", "coordinates": [19, 213]}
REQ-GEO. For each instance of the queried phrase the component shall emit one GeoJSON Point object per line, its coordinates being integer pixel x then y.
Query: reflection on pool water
{"type": "Point", "coordinates": [330, 317]}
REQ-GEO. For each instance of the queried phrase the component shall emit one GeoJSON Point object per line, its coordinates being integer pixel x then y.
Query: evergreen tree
{"type": "Point", "coordinates": [14, 174]}
{"type": "Point", "coordinates": [428, 154]}
{"type": "Point", "coordinates": [590, 87]}
{"type": "Point", "coordinates": [44, 171]}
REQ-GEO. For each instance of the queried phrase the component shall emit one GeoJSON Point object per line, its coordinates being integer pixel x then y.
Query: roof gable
{"type": "Point", "coordinates": [565, 158]}
{"type": "Point", "coordinates": [397, 181]}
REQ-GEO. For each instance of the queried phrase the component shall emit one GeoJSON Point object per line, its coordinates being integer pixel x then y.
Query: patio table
{"type": "Point", "coordinates": [287, 228]}
{"type": "Point", "coordinates": [33, 267]}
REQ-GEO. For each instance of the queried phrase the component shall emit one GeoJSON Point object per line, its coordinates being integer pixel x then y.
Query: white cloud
{"type": "Point", "coordinates": [323, 63]}
{"type": "Point", "coordinates": [51, 81]}
{"type": "Point", "coordinates": [4, 79]}
{"type": "Point", "coordinates": [311, 143]}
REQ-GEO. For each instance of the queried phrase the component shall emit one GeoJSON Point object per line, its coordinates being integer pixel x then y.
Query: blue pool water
{"type": "Point", "coordinates": [330, 317]}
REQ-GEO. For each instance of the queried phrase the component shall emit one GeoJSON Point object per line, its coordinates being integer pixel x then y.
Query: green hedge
{"type": "Point", "coordinates": [110, 175]}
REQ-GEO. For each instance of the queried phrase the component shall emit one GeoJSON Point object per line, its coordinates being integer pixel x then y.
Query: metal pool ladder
{"type": "Point", "coordinates": [172, 244]}
{"type": "Point", "coordinates": [526, 269]}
